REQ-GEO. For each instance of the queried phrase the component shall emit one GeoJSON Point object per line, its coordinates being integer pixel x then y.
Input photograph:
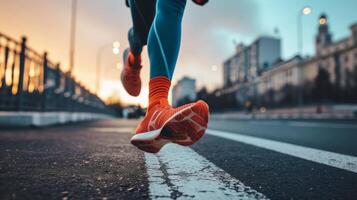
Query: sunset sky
{"type": "Point", "coordinates": [208, 37]}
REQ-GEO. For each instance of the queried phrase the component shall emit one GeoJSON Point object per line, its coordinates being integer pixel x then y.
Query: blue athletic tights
{"type": "Point", "coordinates": [165, 37]}
{"type": "Point", "coordinates": [158, 24]}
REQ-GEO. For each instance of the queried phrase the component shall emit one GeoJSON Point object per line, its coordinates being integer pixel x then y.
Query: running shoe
{"type": "Point", "coordinates": [163, 124]}
{"type": "Point", "coordinates": [130, 75]}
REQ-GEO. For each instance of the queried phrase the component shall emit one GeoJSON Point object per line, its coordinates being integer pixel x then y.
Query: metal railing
{"type": "Point", "coordinates": [30, 82]}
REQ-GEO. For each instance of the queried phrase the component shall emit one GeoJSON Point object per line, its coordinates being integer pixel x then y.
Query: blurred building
{"type": "Point", "coordinates": [250, 61]}
{"type": "Point", "coordinates": [184, 91]}
{"type": "Point", "coordinates": [282, 74]}
{"type": "Point", "coordinates": [338, 58]}
{"type": "Point", "coordinates": [277, 80]}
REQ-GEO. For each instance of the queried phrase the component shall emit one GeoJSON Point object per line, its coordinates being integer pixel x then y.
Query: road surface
{"type": "Point", "coordinates": [249, 159]}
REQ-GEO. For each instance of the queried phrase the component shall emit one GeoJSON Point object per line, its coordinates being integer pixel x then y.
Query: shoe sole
{"type": "Point", "coordinates": [185, 127]}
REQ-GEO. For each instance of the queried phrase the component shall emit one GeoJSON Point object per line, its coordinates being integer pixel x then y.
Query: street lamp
{"type": "Point", "coordinates": [72, 36]}
{"type": "Point", "coordinates": [115, 50]}
{"type": "Point", "coordinates": [304, 11]}
{"type": "Point", "coordinates": [116, 47]}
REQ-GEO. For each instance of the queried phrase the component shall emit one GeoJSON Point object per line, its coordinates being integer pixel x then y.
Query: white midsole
{"type": "Point", "coordinates": [151, 135]}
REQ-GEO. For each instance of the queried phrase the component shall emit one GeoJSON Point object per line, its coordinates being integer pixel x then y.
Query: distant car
{"type": "Point", "coordinates": [133, 112]}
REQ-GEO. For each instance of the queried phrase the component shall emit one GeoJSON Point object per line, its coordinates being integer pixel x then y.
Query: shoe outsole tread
{"type": "Point", "coordinates": [185, 128]}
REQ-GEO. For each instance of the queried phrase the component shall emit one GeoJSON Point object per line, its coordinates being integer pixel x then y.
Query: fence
{"type": "Point", "coordinates": [30, 82]}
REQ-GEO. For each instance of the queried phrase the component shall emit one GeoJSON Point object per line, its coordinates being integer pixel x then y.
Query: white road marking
{"type": "Point", "coordinates": [337, 160]}
{"type": "Point", "coordinates": [323, 125]}
{"type": "Point", "coordinates": [178, 172]}
{"type": "Point", "coordinates": [273, 123]}
{"type": "Point", "coordinates": [304, 124]}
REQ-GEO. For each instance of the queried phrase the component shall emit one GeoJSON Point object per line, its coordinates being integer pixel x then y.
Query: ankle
{"type": "Point", "coordinates": [134, 60]}
{"type": "Point", "coordinates": [158, 90]}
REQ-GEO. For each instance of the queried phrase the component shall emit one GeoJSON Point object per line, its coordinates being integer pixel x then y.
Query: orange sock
{"type": "Point", "coordinates": [158, 89]}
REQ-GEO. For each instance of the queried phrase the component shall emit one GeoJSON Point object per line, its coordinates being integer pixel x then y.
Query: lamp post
{"type": "Point", "coordinates": [304, 11]}
{"type": "Point", "coordinates": [72, 35]}
{"type": "Point", "coordinates": [100, 51]}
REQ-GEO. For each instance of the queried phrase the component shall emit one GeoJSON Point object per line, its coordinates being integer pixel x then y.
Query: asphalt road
{"type": "Point", "coordinates": [73, 161]}
{"type": "Point", "coordinates": [94, 160]}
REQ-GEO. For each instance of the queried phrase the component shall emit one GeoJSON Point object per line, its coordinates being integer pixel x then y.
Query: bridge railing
{"type": "Point", "coordinates": [30, 82]}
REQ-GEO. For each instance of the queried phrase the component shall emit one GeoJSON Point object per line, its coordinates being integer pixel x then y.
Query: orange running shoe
{"type": "Point", "coordinates": [163, 124]}
{"type": "Point", "coordinates": [130, 75]}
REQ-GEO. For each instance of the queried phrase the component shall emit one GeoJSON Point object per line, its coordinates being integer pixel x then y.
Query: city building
{"type": "Point", "coordinates": [279, 79]}
{"type": "Point", "coordinates": [282, 74]}
{"type": "Point", "coordinates": [338, 58]}
{"type": "Point", "coordinates": [250, 61]}
{"type": "Point", "coordinates": [183, 91]}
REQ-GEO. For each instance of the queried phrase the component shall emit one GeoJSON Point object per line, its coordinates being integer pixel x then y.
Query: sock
{"type": "Point", "coordinates": [158, 89]}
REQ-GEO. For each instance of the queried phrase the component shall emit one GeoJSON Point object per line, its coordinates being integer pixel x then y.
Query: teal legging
{"type": "Point", "coordinates": [165, 37]}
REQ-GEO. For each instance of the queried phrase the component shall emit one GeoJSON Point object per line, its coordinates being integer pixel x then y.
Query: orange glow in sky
{"type": "Point", "coordinates": [47, 26]}
{"type": "Point", "coordinates": [209, 34]}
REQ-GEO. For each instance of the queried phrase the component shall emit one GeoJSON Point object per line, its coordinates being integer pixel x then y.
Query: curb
{"type": "Point", "coordinates": [40, 119]}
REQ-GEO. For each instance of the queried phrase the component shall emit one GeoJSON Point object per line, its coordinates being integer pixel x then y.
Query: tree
{"type": "Point", "coordinates": [287, 95]}
{"type": "Point", "coordinates": [352, 84]}
{"type": "Point", "coordinates": [202, 93]}
{"type": "Point", "coordinates": [323, 86]}
{"type": "Point", "coordinates": [184, 100]}
{"type": "Point", "coordinates": [114, 102]}
{"type": "Point", "coordinates": [217, 101]}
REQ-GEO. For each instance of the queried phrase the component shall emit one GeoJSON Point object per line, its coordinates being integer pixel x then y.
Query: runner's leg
{"type": "Point", "coordinates": [184, 125]}
{"type": "Point", "coordinates": [142, 12]}
{"type": "Point", "coordinates": [165, 37]}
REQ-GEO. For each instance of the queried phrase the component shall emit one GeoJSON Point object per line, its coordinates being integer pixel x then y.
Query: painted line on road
{"type": "Point", "coordinates": [178, 172]}
{"type": "Point", "coordinates": [337, 160]}
{"type": "Point", "coordinates": [304, 124]}
{"type": "Point", "coordinates": [322, 125]}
